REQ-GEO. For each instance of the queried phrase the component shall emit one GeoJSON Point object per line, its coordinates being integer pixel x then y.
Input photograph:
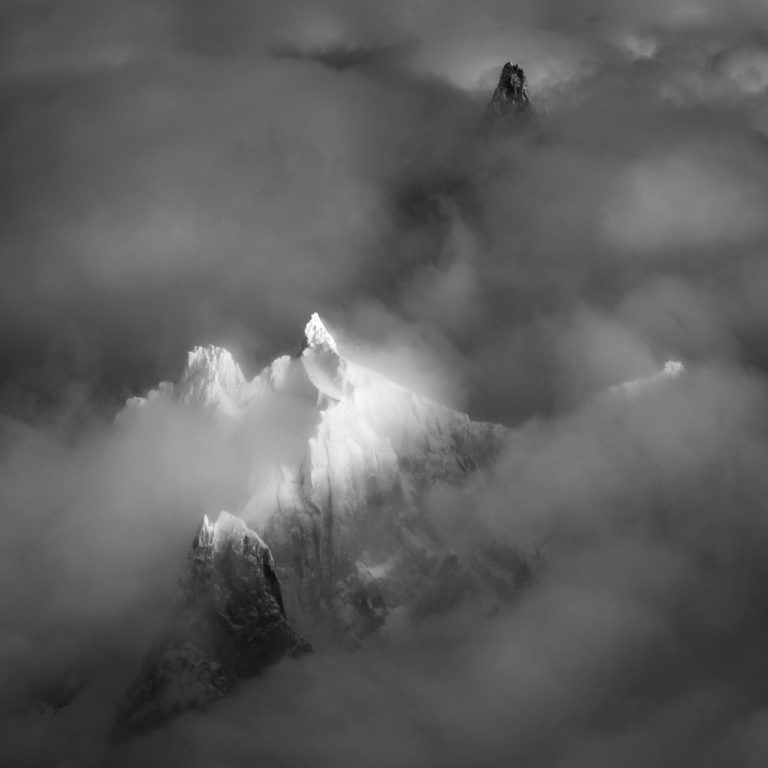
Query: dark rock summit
{"type": "Point", "coordinates": [511, 93]}
{"type": "Point", "coordinates": [229, 624]}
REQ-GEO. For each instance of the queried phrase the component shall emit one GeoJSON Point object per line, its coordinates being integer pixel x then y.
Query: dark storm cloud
{"type": "Point", "coordinates": [184, 172]}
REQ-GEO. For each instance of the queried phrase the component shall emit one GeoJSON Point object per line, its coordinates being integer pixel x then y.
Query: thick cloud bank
{"type": "Point", "coordinates": [184, 173]}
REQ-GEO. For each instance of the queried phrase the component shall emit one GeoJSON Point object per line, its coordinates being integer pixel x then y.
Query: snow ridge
{"type": "Point", "coordinates": [672, 370]}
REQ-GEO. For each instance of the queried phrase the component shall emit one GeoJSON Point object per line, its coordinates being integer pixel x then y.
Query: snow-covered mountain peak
{"type": "Point", "coordinates": [317, 336]}
{"type": "Point", "coordinates": [212, 377]}
{"type": "Point", "coordinates": [326, 369]}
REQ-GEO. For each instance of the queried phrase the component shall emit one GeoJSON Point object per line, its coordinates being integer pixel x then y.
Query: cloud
{"type": "Point", "coordinates": [680, 203]}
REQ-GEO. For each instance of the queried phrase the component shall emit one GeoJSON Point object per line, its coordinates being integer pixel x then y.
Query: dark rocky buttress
{"type": "Point", "coordinates": [229, 623]}
{"type": "Point", "coordinates": [511, 93]}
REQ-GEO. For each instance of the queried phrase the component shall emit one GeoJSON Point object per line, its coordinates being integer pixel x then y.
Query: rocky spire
{"type": "Point", "coordinates": [229, 624]}
{"type": "Point", "coordinates": [211, 378]}
{"type": "Point", "coordinates": [317, 336]}
{"type": "Point", "coordinates": [511, 93]}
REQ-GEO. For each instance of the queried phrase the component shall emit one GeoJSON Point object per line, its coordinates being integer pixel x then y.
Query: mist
{"type": "Point", "coordinates": [184, 174]}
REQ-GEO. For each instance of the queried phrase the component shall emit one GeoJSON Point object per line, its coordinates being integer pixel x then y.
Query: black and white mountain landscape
{"type": "Point", "coordinates": [384, 384]}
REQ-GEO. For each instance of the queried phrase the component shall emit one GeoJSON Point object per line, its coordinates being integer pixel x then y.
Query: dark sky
{"type": "Point", "coordinates": [179, 172]}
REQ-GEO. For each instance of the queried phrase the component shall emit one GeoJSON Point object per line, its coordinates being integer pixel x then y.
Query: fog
{"type": "Point", "coordinates": [179, 173]}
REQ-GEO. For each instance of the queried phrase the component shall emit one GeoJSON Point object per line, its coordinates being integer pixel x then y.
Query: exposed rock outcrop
{"type": "Point", "coordinates": [229, 624]}
{"type": "Point", "coordinates": [511, 94]}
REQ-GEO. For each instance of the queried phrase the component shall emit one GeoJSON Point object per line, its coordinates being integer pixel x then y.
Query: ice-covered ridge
{"type": "Point", "coordinates": [213, 379]}
{"type": "Point", "coordinates": [366, 422]}
{"type": "Point", "coordinates": [672, 369]}
{"type": "Point", "coordinates": [365, 430]}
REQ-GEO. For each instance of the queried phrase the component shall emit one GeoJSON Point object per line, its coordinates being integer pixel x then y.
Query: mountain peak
{"type": "Point", "coordinates": [211, 377]}
{"type": "Point", "coordinates": [511, 93]}
{"type": "Point", "coordinates": [317, 336]}
{"type": "Point", "coordinates": [229, 624]}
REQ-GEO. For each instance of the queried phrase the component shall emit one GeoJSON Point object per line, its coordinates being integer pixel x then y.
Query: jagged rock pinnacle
{"type": "Point", "coordinates": [211, 377]}
{"type": "Point", "coordinates": [229, 624]}
{"type": "Point", "coordinates": [511, 93]}
{"type": "Point", "coordinates": [316, 335]}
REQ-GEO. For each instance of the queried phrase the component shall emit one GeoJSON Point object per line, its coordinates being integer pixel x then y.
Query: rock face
{"type": "Point", "coordinates": [511, 94]}
{"type": "Point", "coordinates": [229, 624]}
